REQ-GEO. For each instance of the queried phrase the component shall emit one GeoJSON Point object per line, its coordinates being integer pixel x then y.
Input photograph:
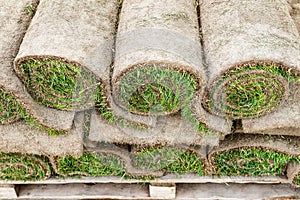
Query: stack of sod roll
{"type": "Point", "coordinates": [152, 71]}
{"type": "Point", "coordinates": [252, 50]}
{"type": "Point", "coordinates": [26, 126]}
{"type": "Point", "coordinates": [158, 68]}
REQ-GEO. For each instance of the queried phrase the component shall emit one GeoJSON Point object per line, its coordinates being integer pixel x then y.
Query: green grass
{"type": "Point", "coordinates": [9, 107]}
{"type": "Point", "coordinates": [252, 94]}
{"type": "Point", "coordinates": [14, 166]}
{"type": "Point", "coordinates": [59, 84]}
{"type": "Point", "coordinates": [252, 162]}
{"type": "Point", "coordinates": [166, 91]}
{"type": "Point", "coordinates": [170, 160]}
{"type": "Point", "coordinates": [66, 86]}
{"type": "Point", "coordinates": [11, 110]}
{"type": "Point", "coordinates": [298, 180]}
{"type": "Point", "coordinates": [101, 106]}
{"type": "Point", "coordinates": [153, 98]}
{"type": "Point", "coordinates": [90, 165]}
{"type": "Point", "coordinates": [30, 10]}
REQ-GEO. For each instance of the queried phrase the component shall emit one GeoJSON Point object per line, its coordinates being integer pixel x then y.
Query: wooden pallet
{"type": "Point", "coordinates": [167, 187]}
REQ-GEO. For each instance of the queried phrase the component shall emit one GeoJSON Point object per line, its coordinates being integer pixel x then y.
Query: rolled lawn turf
{"type": "Point", "coordinates": [254, 155]}
{"type": "Point", "coordinates": [65, 57]}
{"type": "Point", "coordinates": [284, 121]}
{"type": "Point", "coordinates": [252, 52]}
{"type": "Point", "coordinates": [89, 164]}
{"type": "Point", "coordinates": [15, 102]}
{"type": "Point", "coordinates": [25, 167]}
{"type": "Point", "coordinates": [169, 160]}
{"type": "Point", "coordinates": [158, 64]}
{"type": "Point", "coordinates": [158, 68]}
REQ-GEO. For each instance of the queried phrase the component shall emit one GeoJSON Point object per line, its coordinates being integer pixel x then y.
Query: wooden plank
{"type": "Point", "coordinates": [234, 191]}
{"type": "Point", "coordinates": [208, 191]}
{"type": "Point", "coordinates": [84, 191]}
{"type": "Point", "coordinates": [170, 178]}
{"type": "Point", "coordinates": [8, 192]}
{"type": "Point", "coordinates": [162, 192]}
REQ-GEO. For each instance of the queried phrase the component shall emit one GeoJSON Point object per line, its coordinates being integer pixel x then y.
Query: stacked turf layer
{"type": "Point", "coordinates": [246, 45]}
{"type": "Point", "coordinates": [158, 64]}
{"type": "Point", "coordinates": [15, 103]}
{"type": "Point", "coordinates": [65, 57]}
{"type": "Point", "coordinates": [246, 155]}
{"type": "Point", "coordinates": [89, 165]}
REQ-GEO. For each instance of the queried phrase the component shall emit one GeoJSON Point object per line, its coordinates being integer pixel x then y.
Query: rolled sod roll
{"type": "Point", "coordinates": [243, 154]}
{"type": "Point", "coordinates": [284, 121]}
{"type": "Point", "coordinates": [252, 51]}
{"type": "Point", "coordinates": [65, 57]}
{"type": "Point", "coordinates": [15, 102]}
{"type": "Point", "coordinates": [158, 63]}
{"type": "Point", "coordinates": [23, 167]}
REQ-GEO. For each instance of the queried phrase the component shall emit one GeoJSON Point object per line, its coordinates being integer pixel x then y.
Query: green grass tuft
{"type": "Point", "coordinates": [58, 84]}
{"type": "Point", "coordinates": [106, 113]}
{"type": "Point", "coordinates": [153, 98]}
{"type": "Point", "coordinates": [252, 162]}
{"type": "Point", "coordinates": [170, 160]}
{"type": "Point", "coordinates": [14, 166]}
{"type": "Point", "coordinates": [249, 95]}
{"type": "Point", "coordinates": [90, 165]}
